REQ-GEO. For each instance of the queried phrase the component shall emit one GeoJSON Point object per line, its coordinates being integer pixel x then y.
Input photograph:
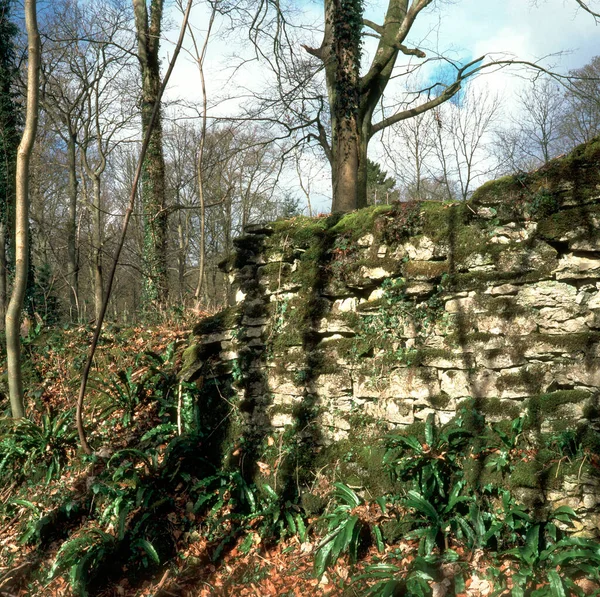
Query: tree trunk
{"type": "Point", "coordinates": [15, 307]}
{"type": "Point", "coordinates": [72, 265]}
{"type": "Point", "coordinates": [153, 174]}
{"type": "Point", "coordinates": [97, 238]}
{"type": "Point", "coordinates": [341, 55]}
{"type": "Point", "coordinates": [3, 274]}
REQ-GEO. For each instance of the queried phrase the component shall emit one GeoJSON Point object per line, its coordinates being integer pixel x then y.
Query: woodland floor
{"type": "Point", "coordinates": [198, 564]}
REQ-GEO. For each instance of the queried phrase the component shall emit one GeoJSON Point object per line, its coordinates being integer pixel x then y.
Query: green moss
{"type": "Point", "coordinates": [359, 462]}
{"type": "Point", "coordinates": [545, 406]}
{"type": "Point", "coordinates": [442, 220]}
{"type": "Point", "coordinates": [495, 407]}
{"type": "Point", "coordinates": [478, 475]}
{"type": "Point", "coordinates": [227, 319]}
{"type": "Point", "coordinates": [556, 226]}
{"type": "Point", "coordinates": [441, 401]}
{"type": "Point", "coordinates": [429, 270]}
{"type": "Point", "coordinates": [359, 222]}
{"type": "Point", "coordinates": [526, 474]}
{"type": "Point", "coordinates": [394, 530]}
{"type": "Point", "coordinates": [494, 191]}
{"type": "Point", "coordinates": [530, 378]}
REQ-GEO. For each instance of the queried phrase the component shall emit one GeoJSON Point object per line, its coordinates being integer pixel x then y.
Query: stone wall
{"type": "Point", "coordinates": [347, 327]}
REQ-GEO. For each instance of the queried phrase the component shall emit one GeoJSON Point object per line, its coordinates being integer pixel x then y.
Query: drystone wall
{"type": "Point", "coordinates": [347, 327]}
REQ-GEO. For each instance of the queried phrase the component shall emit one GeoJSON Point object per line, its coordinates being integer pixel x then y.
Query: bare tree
{"type": "Point", "coordinates": [463, 129]}
{"type": "Point", "coordinates": [581, 118]}
{"type": "Point", "coordinates": [535, 135]}
{"type": "Point", "coordinates": [15, 306]}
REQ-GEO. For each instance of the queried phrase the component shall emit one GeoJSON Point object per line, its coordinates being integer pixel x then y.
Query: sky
{"type": "Point", "coordinates": [555, 31]}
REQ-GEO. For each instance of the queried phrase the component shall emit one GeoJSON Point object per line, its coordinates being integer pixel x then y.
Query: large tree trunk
{"type": "Point", "coordinates": [72, 265]}
{"type": "Point", "coordinates": [153, 174]}
{"type": "Point", "coordinates": [15, 307]}
{"type": "Point", "coordinates": [341, 55]}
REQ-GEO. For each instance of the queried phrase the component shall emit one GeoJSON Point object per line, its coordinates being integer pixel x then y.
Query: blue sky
{"type": "Point", "coordinates": [462, 29]}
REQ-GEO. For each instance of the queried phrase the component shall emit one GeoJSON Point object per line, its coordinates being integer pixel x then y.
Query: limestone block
{"type": "Point", "coordinates": [573, 267]}
{"type": "Point", "coordinates": [365, 241]}
{"type": "Point", "coordinates": [479, 262]}
{"type": "Point", "coordinates": [412, 382]}
{"type": "Point", "coordinates": [423, 248]}
{"type": "Point", "coordinates": [424, 413]}
{"type": "Point", "coordinates": [519, 325]}
{"type": "Point", "coordinates": [254, 321]}
{"type": "Point", "coordinates": [374, 273]}
{"type": "Point", "coordinates": [254, 332]}
{"type": "Point", "coordinates": [376, 294]}
{"type": "Point", "coordinates": [346, 305]}
{"type": "Point", "coordinates": [331, 420]}
{"type": "Point", "coordinates": [503, 289]}
{"type": "Point", "coordinates": [594, 301]}
{"type": "Point", "coordinates": [366, 388]}
{"type": "Point", "coordinates": [456, 383]}
{"type": "Point", "coordinates": [391, 411]}
{"type": "Point", "coordinates": [240, 297]}
{"type": "Point", "coordinates": [449, 360]}
{"type": "Point", "coordinates": [279, 420]}
{"type": "Point", "coordinates": [547, 294]}
{"type": "Point", "coordinates": [282, 288]}
{"type": "Point", "coordinates": [579, 373]}
{"type": "Point", "coordinates": [282, 296]}
{"type": "Point", "coordinates": [445, 416]}
{"type": "Point", "coordinates": [520, 382]}
{"type": "Point", "coordinates": [539, 257]}
{"type": "Point", "coordinates": [460, 305]}
{"type": "Point", "coordinates": [418, 288]}
{"type": "Point", "coordinates": [283, 385]}
{"type": "Point", "coordinates": [499, 239]}
{"type": "Point", "coordinates": [487, 213]}
{"type": "Point", "coordinates": [334, 326]}
{"type": "Point", "coordinates": [285, 399]}
{"type": "Point", "coordinates": [332, 384]}
{"type": "Point", "coordinates": [585, 244]}
{"type": "Point", "coordinates": [499, 359]}
{"type": "Point", "coordinates": [216, 337]}
{"type": "Point", "coordinates": [561, 321]}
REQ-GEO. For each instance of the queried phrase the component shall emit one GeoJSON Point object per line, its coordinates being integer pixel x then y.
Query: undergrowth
{"type": "Point", "coordinates": [154, 500]}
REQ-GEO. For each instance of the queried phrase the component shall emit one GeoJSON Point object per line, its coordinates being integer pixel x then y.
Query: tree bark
{"type": "Point", "coordinates": [3, 274]}
{"type": "Point", "coordinates": [72, 264]}
{"type": "Point", "coordinates": [148, 28]}
{"type": "Point", "coordinates": [353, 99]}
{"type": "Point", "coordinates": [97, 238]}
{"type": "Point", "coordinates": [341, 54]}
{"type": "Point", "coordinates": [15, 306]}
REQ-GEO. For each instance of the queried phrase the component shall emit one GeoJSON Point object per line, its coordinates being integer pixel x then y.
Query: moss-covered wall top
{"type": "Point", "coordinates": [348, 326]}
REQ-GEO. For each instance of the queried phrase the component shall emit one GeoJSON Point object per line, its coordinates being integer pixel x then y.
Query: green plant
{"type": "Point", "coordinates": [28, 449]}
{"type": "Point", "coordinates": [82, 556]}
{"type": "Point", "coordinates": [431, 467]}
{"type": "Point", "coordinates": [123, 393]}
{"type": "Point", "coordinates": [344, 530]}
{"type": "Point", "coordinates": [545, 551]}
{"type": "Point", "coordinates": [389, 580]}
{"type": "Point", "coordinates": [501, 457]}
{"type": "Point", "coordinates": [543, 203]}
